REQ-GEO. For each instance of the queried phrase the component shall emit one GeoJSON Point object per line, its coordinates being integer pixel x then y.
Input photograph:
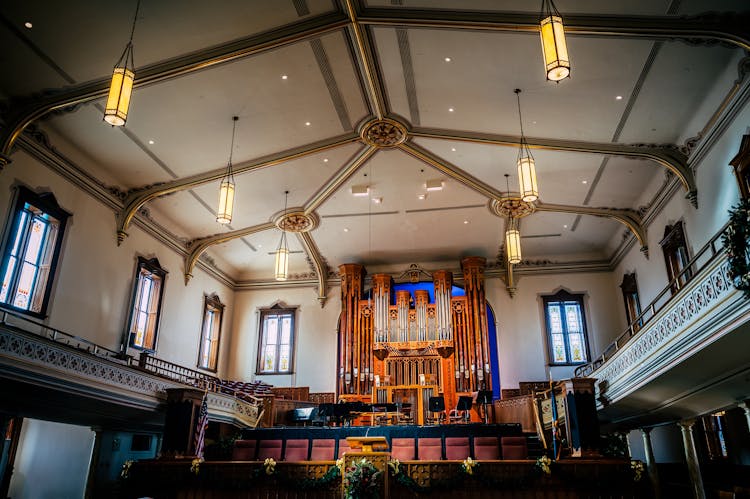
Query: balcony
{"type": "Point", "coordinates": [50, 374]}
{"type": "Point", "coordinates": [685, 355]}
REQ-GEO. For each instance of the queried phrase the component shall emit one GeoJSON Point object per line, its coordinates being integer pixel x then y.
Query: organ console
{"type": "Point", "coordinates": [393, 340]}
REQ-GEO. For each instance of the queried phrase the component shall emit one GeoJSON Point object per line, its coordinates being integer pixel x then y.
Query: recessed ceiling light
{"type": "Point", "coordinates": [450, 109]}
{"type": "Point", "coordinates": [434, 185]}
{"type": "Point", "coordinates": [151, 142]}
{"type": "Point", "coordinates": [260, 245]}
{"type": "Point", "coordinates": [28, 24]}
{"type": "Point", "coordinates": [377, 200]}
{"type": "Point", "coordinates": [346, 229]}
{"type": "Point", "coordinates": [533, 122]}
{"type": "Point", "coordinates": [466, 222]}
{"type": "Point", "coordinates": [307, 123]}
{"type": "Point", "coordinates": [422, 196]}
{"type": "Point", "coordinates": [565, 226]}
{"type": "Point", "coordinates": [284, 77]}
{"type": "Point", "coordinates": [325, 160]}
{"type": "Point", "coordinates": [584, 181]}
{"type": "Point", "coordinates": [453, 149]}
{"type": "Point", "coordinates": [619, 97]}
{"type": "Point", "coordinates": [360, 190]}
{"type": "Point", "coordinates": [448, 59]}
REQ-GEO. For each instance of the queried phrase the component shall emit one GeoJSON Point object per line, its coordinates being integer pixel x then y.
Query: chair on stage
{"type": "Point", "coordinates": [343, 447]}
{"type": "Point", "coordinates": [403, 413]}
{"type": "Point", "coordinates": [514, 448]}
{"type": "Point", "coordinates": [456, 448]}
{"type": "Point", "coordinates": [403, 449]}
{"type": "Point", "coordinates": [462, 412]}
{"type": "Point", "coordinates": [486, 448]}
{"type": "Point", "coordinates": [244, 450]}
{"type": "Point", "coordinates": [430, 449]}
{"type": "Point", "coordinates": [436, 407]}
{"type": "Point", "coordinates": [296, 449]}
{"type": "Point", "coordinates": [269, 448]}
{"type": "Point", "coordinates": [323, 449]}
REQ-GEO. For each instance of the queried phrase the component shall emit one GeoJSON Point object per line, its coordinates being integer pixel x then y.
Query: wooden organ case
{"type": "Point", "coordinates": [413, 349]}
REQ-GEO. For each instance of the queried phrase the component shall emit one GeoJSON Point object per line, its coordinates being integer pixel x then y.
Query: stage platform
{"type": "Point", "coordinates": [388, 431]}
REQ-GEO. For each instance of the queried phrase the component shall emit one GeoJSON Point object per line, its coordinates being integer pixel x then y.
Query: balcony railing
{"type": "Point", "coordinates": [702, 259]}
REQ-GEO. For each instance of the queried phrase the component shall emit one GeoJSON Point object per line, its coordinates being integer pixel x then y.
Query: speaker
{"type": "Point", "coordinates": [437, 404]}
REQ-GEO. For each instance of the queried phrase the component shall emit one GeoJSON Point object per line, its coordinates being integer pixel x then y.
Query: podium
{"type": "Point", "coordinates": [374, 450]}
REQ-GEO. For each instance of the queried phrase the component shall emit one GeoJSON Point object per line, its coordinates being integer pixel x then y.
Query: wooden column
{"type": "Point", "coordinates": [473, 270]}
{"type": "Point", "coordinates": [352, 275]}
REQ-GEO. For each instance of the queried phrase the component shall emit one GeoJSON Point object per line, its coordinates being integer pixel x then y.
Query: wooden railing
{"type": "Point", "coordinates": [668, 295]}
{"type": "Point", "coordinates": [14, 320]}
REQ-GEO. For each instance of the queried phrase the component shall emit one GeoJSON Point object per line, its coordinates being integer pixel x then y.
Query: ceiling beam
{"type": "Point", "coordinates": [631, 219]}
{"type": "Point", "coordinates": [319, 263]}
{"type": "Point", "coordinates": [196, 247]}
{"type": "Point", "coordinates": [25, 110]}
{"type": "Point", "coordinates": [339, 178]}
{"type": "Point", "coordinates": [136, 198]}
{"type": "Point", "coordinates": [668, 156]}
{"type": "Point", "coordinates": [710, 27]}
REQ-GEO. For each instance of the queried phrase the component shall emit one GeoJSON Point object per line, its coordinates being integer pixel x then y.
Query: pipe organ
{"type": "Point", "coordinates": [394, 339]}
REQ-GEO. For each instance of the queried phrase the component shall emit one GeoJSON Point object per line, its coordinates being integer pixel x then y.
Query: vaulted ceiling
{"type": "Point", "coordinates": [385, 94]}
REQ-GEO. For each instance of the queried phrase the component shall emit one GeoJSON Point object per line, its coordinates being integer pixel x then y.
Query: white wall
{"type": "Point", "coordinates": [52, 461]}
{"type": "Point", "coordinates": [93, 285]}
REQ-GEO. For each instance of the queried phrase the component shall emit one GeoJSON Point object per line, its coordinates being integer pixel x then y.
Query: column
{"type": "Point", "coordinates": [691, 456]}
{"type": "Point", "coordinates": [653, 472]}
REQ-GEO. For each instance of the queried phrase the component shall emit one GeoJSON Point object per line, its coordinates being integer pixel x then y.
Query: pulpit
{"type": "Point", "coordinates": [373, 450]}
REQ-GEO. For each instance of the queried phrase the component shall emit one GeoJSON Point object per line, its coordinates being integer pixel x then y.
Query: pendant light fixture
{"type": "Point", "coordinates": [526, 169]}
{"type": "Point", "coordinates": [282, 252]}
{"type": "Point", "coordinates": [554, 48]}
{"type": "Point", "coordinates": [226, 188]}
{"type": "Point", "coordinates": [121, 87]}
{"type": "Point", "coordinates": [512, 236]}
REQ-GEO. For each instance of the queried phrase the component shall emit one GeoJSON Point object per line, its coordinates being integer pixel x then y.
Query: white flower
{"type": "Point", "coordinates": [195, 466]}
{"type": "Point", "coordinates": [270, 466]}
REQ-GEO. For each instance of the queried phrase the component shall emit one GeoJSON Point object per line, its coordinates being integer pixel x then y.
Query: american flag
{"type": "Point", "coordinates": [200, 428]}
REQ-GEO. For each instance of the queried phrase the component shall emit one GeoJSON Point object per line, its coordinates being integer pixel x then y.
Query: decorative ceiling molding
{"type": "Point", "coordinates": [138, 197]}
{"type": "Point", "coordinates": [708, 28]}
{"type": "Point", "coordinates": [667, 155]}
{"type": "Point", "coordinates": [197, 246]}
{"type": "Point", "coordinates": [19, 113]}
{"type": "Point", "coordinates": [321, 267]}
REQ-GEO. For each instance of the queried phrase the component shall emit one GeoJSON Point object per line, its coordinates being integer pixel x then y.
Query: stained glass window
{"type": "Point", "coordinates": [276, 352]}
{"type": "Point", "coordinates": [566, 328]}
{"type": "Point", "coordinates": [208, 354]}
{"type": "Point", "coordinates": [37, 223]}
{"type": "Point", "coordinates": [147, 295]}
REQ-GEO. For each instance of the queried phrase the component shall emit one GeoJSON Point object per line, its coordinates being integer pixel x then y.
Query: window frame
{"type": "Point", "coordinates": [46, 204]}
{"type": "Point", "coordinates": [676, 256]}
{"type": "Point", "coordinates": [210, 303]}
{"type": "Point", "coordinates": [152, 267]}
{"type": "Point", "coordinates": [632, 300]}
{"type": "Point", "coordinates": [281, 311]}
{"type": "Point", "coordinates": [564, 296]}
{"type": "Point", "coordinates": [741, 167]}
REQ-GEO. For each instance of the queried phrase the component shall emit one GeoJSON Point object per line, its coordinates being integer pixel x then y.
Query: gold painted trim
{"type": "Point", "coordinates": [138, 197]}
{"type": "Point", "coordinates": [667, 156]}
{"type": "Point", "coordinates": [367, 59]}
{"type": "Point", "coordinates": [450, 170]}
{"type": "Point", "coordinates": [321, 268]}
{"type": "Point", "coordinates": [196, 247]}
{"type": "Point", "coordinates": [629, 218]}
{"type": "Point", "coordinates": [338, 179]}
{"type": "Point", "coordinates": [18, 119]}
{"type": "Point", "coordinates": [710, 27]}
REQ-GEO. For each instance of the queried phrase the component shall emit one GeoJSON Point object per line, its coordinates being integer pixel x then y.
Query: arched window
{"type": "Point", "coordinates": [629, 289]}
{"type": "Point", "coordinates": [276, 341]}
{"type": "Point", "coordinates": [566, 329]}
{"type": "Point", "coordinates": [676, 256]}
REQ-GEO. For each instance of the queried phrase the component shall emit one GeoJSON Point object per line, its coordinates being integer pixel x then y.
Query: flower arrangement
{"type": "Point", "coordinates": [735, 240]}
{"type": "Point", "coordinates": [195, 466]}
{"type": "Point", "coordinates": [126, 468]}
{"type": "Point", "coordinates": [361, 480]}
{"type": "Point", "coordinates": [468, 466]}
{"type": "Point", "coordinates": [544, 463]}
{"type": "Point", "coordinates": [637, 468]}
{"type": "Point", "coordinates": [269, 466]}
{"type": "Point", "coordinates": [395, 466]}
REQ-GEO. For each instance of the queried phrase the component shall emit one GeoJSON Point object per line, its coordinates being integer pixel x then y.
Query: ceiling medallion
{"type": "Point", "coordinates": [383, 133]}
{"type": "Point", "coordinates": [297, 221]}
{"type": "Point", "coordinates": [511, 206]}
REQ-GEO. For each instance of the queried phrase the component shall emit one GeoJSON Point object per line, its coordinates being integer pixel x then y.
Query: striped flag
{"type": "Point", "coordinates": [200, 428]}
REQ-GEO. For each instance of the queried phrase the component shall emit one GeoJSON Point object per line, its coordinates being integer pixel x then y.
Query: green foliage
{"type": "Point", "coordinates": [735, 241]}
